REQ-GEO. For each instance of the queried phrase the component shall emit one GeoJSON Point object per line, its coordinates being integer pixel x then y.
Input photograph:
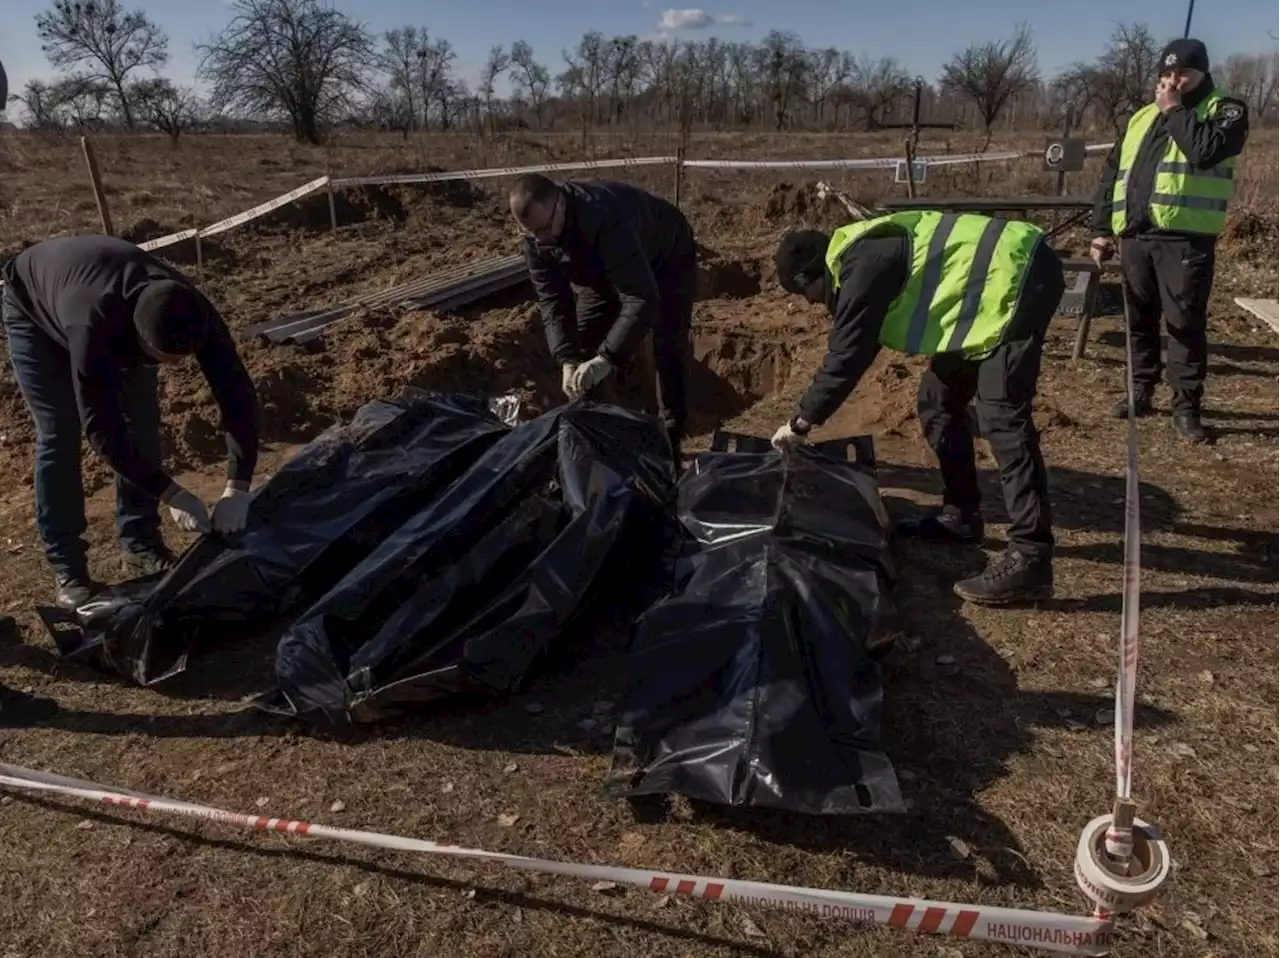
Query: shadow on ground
{"type": "Point", "coordinates": [1233, 352]}
{"type": "Point", "coordinates": [1089, 502]}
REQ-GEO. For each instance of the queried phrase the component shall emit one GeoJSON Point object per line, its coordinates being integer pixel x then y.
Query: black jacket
{"type": "Point", "coordinates": [620, 242]}
{"type": "Point", "coordinates": [869, 283]}
{"type": "Point", "coordinates": [1205, 145]}
{"type": "Point", "coordinates": [870, 280]}
{"type": "Point", "coordinates": [81, 291]}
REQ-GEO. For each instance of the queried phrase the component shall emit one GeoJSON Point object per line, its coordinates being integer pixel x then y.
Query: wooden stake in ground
{"type": "Point", "coordinates": [95, 181]}
{"type": "Point", "coordinates": [911, 172]}
{"type": "Point", "coordinates": [679, 172]}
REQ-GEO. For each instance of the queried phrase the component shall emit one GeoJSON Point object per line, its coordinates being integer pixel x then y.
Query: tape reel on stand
{"type": "Point", "coordinates": [1115, 888]}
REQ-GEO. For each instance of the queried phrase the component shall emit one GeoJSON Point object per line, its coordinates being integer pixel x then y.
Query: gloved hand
{"type": "Point", "coordinates": [786, 438]}
{"type": "Point", "coordinates": [231, 511]}
{"type": "Point", "coordinates": [566, 379]}
{"type": "Point", "coordinates": [188, 512]}
{"type": "Point", "coordinates": [590, 374]}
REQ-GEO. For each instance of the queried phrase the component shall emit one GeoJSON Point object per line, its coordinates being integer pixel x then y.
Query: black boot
{"type": "Point", "coordinates": [1141, 404]}
{"type": "Point", "coordinates": [72, 588]}
{"type": "Point", "coordinates": [1010, 578]}
{"type": "Point", "coordinates": [1186, 423]}
{"type": "Point", "coordinates": [948, 524]}
{"type": "Point", "coordinates": [151, 560]}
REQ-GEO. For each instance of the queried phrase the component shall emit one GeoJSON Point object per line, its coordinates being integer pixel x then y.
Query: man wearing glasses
{"type": "Point", "coordinates": [632, 257]}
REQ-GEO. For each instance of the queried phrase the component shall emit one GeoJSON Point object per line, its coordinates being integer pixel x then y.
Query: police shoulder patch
{"type": "Point", "coordinates": [1230, 111]}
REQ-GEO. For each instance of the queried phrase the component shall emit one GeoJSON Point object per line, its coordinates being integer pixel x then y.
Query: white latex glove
{"type": "Point", "coordinates": [188, 512]}
{"type": "Point", "coordinates": [567, 371]}
{"type": "Point", "coordinates": [786, 439]}
{"type": "Point", "coordinates": [231, 511]}
{"type": "Point", "coordinates": [590, 374]}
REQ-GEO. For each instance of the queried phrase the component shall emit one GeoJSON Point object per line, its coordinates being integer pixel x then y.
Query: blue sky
{"type": "Point", "coordinates": [922, 34]}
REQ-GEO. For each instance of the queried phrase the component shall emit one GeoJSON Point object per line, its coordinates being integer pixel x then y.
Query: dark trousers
{"type": "Point", "coordinates": [1002, 386]}
{"type": "Point", "coordinates": [1170, 277]}
{"type": "Point", "coordinates": [666, 366]}
{"type": "Point", "coordinates": [43, 369]}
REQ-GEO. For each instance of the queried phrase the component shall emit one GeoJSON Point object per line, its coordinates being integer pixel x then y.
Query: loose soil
{"type": "Point", "coordinates": [996, 719]}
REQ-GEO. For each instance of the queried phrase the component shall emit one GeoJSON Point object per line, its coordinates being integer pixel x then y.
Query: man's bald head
{"type": "Point", "coordinates": [536, 203]}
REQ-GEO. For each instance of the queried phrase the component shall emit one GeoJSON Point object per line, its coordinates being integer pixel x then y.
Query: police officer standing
{"type": "Point", "coordinates": [633, 258]}
{"type": "Point", "coordinates": [976, 294]}
{"type": "Point", "coordinates": [1163, 194]}
{"type": "Point", "coordinates": [88, 319]}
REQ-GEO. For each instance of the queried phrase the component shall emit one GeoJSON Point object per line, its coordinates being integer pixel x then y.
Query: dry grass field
{"type": "Point", "coordinates": [991, 714]}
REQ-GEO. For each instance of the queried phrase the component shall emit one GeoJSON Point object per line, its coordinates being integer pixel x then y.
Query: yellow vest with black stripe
{"type": "Point", "coordinates": [965, 279]}
{"type": "Point", "coordinates": [1183, 199]}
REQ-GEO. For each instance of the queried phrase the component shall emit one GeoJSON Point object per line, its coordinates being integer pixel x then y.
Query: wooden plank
{"type": "Point", "coordinates": [1267, 310]}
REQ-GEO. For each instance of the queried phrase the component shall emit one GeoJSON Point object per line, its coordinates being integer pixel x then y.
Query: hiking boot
{"type": "Point", "coordinates": [1141, 404]}
{"type": "Point", "coordinates": [1011, 577]}
{"type": "Point", "coordinates": [152, 561]}
{"type": "Point", "coordinates": [948, 524]}
{"type": "Point", "coordinates": [20, 708]}
{"type": "Point", "coordinates": [72, 589]}
{"type": "Point", "coordinates": [1186, 423]}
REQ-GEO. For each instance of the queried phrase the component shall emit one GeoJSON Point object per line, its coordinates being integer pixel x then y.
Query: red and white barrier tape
{"type": "Point", "coordinates": [1048, 931]}
{"type": "Point", "coordinates": [1122, 861]}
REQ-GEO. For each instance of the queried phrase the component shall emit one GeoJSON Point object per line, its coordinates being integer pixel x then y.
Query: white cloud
{"type": "Point", "coordinates": [697, 19]}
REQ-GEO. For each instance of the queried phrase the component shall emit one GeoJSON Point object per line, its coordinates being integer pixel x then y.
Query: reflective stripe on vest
{"type": "Point", "coordinates": [966, 276]}
{"type": "Point", "coordinates": [1183, 199]}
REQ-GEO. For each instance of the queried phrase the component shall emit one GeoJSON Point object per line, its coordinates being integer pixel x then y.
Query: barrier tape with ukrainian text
{"type": "Point", "coordinates": [1048, 931]}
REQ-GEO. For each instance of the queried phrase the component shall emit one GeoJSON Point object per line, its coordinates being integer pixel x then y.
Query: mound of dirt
{"type": "Point", "coordinates": [181, 254]}
{"type": "Point", "coordinates": [1250, 235]}
{"type": "Point", "coordinates": [788, 201]}
{"type": "Point", "coordinates": [461, 194]}
{"type": "Point", "coordinates": [357, 204]}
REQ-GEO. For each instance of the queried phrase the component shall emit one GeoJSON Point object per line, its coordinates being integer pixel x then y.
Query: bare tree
{"type": "Point", "coordinates": [1252, 78]}
{"type": "Point", "coordinates": [1122, 80]}
{"type": "Point", "coordinates": [989, 74]}
{"type": "Point", "coordinates": [104, 41]}
{"type": "Point", "coordinates": [81, 101]}
{"type": "Point", "coordinates": [400, 59]}
{"type": "Point", "coordinates": [40, 101]}
{"type": "Point", "coordinates": [294, 58]}
{"type": "Point", "coordinates": [168, 108]}
{"type": "Point", "coordinates": [439, 86]}
{"type": "Point", "coordinates": [876, 85]}
{"type": "Point", "coordinates": [497, 63]}
{"type": "Point", "coordinates": [529, 77]}
{"type": "Point", "coordinates": [828, 69]}
{"type": "Point", "coordinates": [783, 64]}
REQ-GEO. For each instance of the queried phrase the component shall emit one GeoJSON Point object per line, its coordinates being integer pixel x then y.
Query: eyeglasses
{"type": "Point", "coordinates": [546, 234]}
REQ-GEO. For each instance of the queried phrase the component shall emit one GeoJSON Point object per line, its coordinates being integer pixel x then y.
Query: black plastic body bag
{"type": "Point", "coordinates": [751, 684]}
{"type": "Point", "coordinates": [309, 525]}
{"type": "Point", "coordinates": [556, 521]}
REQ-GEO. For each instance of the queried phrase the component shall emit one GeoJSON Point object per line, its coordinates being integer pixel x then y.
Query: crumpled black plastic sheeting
{"type": "Point", "coordinates": [309, 525]}
{"type": "Point", "coordinates": [558, 520]}
{"type": "Point", "coordinates": [751, 684]}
